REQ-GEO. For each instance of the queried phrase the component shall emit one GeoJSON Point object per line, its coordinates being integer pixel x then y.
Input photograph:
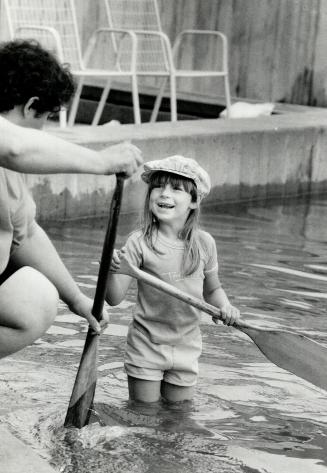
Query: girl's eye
{"type": "Point", "coordinates": [178, 188]}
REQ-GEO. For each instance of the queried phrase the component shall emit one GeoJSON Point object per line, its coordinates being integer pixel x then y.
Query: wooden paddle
{"type": "Point", "coordinates": [290, 351]}
{"type": "Point", "coordinates": [81, 401]}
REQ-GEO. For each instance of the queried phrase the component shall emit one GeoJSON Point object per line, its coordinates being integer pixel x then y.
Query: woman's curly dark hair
{"type": "Point", "coordinates": [28, 70]}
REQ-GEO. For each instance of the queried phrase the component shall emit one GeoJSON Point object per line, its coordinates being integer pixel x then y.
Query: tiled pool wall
{"type": "Point", "coordinates": [247, 159]}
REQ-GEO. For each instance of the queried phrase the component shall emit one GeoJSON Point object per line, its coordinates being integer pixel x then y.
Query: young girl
{"type": "Point", "coordinates": [164, 339]}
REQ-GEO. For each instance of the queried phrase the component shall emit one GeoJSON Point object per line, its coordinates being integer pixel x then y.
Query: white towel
{"type": "Point", "coordinates": [248, 110]}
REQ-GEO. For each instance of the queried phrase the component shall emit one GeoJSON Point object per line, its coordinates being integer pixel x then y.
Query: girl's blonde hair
{"type": "Point", "coordinates": [189, 234]}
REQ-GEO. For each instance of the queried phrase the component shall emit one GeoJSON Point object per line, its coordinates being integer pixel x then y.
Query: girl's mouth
{"type": "Point", "coordinates": [164, 205]}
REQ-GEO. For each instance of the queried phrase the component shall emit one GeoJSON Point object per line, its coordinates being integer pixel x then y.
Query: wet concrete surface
{"type": "Point", "coordinates": [248, 415]}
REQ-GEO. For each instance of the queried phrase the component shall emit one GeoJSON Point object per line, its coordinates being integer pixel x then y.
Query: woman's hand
{"type": "Point", "coordinates": [121, 158]}
{"type": "Point", "coordinates": [228, 315]}
{"type": "Point", "coordinates": [82, 306]}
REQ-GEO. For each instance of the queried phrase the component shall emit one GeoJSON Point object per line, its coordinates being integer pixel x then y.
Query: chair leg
{"type": "Point", "coordinates": [136, 101]}
{"type": "Point", "coordinates": [157, 103]}
{"type": "Point", "coordinates": [73, 110]}
{"type": "Point", "coordinates": [173, 99]}
{"type": "Point", "coordinates": [101, 104]}
{"type": "Point", "coordinates": [227, 94]}
{"type": "Point", "coordinates": [63, 118]}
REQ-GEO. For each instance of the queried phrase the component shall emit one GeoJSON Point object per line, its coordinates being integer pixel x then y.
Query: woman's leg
{"type": "Point", "coordinates": [143, 390]}
{"type": "Point", "coordinates": [173, 393]}
{"type": "Point", "coordinates": [28, 306]}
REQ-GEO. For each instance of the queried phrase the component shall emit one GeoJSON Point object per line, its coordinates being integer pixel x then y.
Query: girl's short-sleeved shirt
{"type": "Point", "coordinates": [17, 213]}
{"type": "Point", "coordinates": [163, 318]}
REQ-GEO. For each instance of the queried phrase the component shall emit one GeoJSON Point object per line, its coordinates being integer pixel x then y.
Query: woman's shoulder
{"type": "Point", "coordinates": [14, 184]}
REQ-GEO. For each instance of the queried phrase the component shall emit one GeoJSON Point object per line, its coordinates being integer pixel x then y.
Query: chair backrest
{"type": "Point", "coordinates": [57, 14]}
{"type": "Point", "coordinates": [133, 14]}
{"type": "Point", "coordinates": [139, 15]}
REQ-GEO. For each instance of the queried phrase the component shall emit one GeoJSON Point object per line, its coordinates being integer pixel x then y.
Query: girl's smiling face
{"type": "Point", "coordinates": [170, 200]}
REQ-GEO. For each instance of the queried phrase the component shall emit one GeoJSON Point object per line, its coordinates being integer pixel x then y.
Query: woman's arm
{"type": "Point", "coordinates": [37, 152]}
{"type": "Point", "coordinates": [38, 252]}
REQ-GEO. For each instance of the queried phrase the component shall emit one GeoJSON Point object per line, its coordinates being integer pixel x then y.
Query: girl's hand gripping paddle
{"type": "Point", "coordinates": [81, 401]}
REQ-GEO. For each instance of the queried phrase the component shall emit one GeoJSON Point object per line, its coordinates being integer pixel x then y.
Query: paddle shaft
{"type": "Point", "coordinates": [163, 286]}
{"type": "Point", "coordinates": [81, 401]}
{"type": "Point", "coordinates": [108, 249]}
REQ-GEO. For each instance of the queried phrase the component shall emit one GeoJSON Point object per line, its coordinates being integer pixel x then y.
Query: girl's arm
{"type": "Point", "coordinates": [37, 152]}
{"type": "Point", "coordinates": [38, 252]}
{"type": "Point", "coordinates": [213, 293]}
{"type": "Point", "coordinates": [118, 284]}
{"type": "Point", "coordinates": [218, 298]}
{"type": "Point", "coordinates": [117, 287]}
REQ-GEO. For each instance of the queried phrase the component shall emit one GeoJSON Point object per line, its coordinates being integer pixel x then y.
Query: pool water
{"type": "Point", "coordinates": [248, 415]}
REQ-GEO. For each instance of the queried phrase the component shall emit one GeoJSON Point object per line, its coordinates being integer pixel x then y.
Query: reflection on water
{"type": "Point", "coordinates": [248, 415]}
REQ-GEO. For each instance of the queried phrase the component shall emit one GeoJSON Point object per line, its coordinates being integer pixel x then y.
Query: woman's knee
{"type": "Point", "coordinates": [28, 306]}
{"type": "Point", "coordinates": [36, 300]}
{"type": "Point", "coordinates": [45, 299]}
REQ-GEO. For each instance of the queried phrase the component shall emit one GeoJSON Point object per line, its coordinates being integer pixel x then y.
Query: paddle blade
{"type": "Point", "coordinates": [81, 401]}
{"type": "Point", "coordinates": [292, 352]}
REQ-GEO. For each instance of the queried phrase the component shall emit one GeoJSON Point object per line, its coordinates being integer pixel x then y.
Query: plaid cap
{"type": "Point", "coordinates": [182, 166]}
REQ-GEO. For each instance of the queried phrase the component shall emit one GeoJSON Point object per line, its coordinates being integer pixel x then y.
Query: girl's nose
{"type": "Point", "coordinates": [166, 190]}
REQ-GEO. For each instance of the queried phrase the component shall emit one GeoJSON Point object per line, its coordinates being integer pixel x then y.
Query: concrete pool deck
{"type": "Point", "coordinates": [16, 456]}
{"type": "Point", "coordinates": [248, 159]}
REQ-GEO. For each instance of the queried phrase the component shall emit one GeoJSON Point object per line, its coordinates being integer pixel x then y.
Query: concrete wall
{"type": "Point", "coordinates": [259, 158]}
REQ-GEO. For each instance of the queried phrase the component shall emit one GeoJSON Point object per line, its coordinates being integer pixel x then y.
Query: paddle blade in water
{"type": "Point", "coordinates": [292, 352]}
{"type": "Point", "coordinates": [81, 401]}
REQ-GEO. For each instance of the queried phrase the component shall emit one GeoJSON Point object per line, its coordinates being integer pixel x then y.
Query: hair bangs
{"type": "Point", "coordinates": [162, 178]}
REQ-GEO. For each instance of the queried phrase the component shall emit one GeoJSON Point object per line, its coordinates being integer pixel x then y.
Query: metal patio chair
{"type": "Point", "coordinates": [53, 23]}
{"type": "Point", "coordinates": [155, 55]}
